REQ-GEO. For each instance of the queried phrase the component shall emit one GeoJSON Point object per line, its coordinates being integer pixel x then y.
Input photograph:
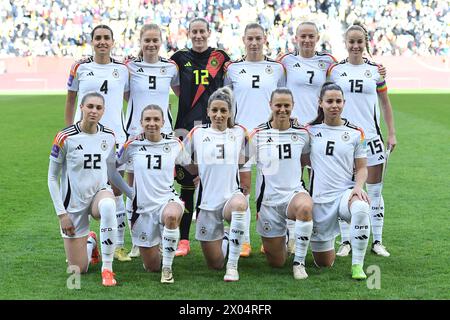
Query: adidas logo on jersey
{"type": "Point", "coordinates": [380, 157]}
{"type": "Point", "coordinates": [297, 65]}
{"type": "Point", "coordinates": [188, 64]}
{"type": "Point", "coordinates": [207, 139]}
{"type": "Point", "coordinates": [270, 139]}
{"type": "Point", "coordinates": [242, 71]}
{"type": "Point", "coordinates": [140, 70]}
{"type": "Point", "coordinates": [143, 148]}
{"type": "Point", "coordinates": [344, 74]}
{"type": "Point", "coordinates": [90, 74]}
{"type": "Point", "coordinates": [319, 135]}
{"type": "Point", "coordinates": [80, 147]}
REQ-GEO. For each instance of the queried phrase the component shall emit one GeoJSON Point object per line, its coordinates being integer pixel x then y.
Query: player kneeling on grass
{"type": "Point", "coordinates": [339, 170]}
{"type": "Point", "coordinates": [217, 149]}
{"type": "Point", "coordinates": [157, 210]}
{"type": "Point", "coordinates": [277, 146]}
{"type": "Point", "coordinates": [84, 154]}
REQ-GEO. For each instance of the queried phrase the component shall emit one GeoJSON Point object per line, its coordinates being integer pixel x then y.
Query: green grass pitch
{"type": "Point", "coordinates": [416, 228]}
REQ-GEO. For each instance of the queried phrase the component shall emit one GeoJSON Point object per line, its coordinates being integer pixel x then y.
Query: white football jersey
{"type": "Point", "coordinates": [305, 77]}
{"type": "Point", "coordinates": [360, 84]}
{"type": "Point", "coordinates": [111, 81]}
{"type": "Point", "coordinates": [153, 166]}
{"type": "Point", "coordinates": [277, 155]}
{"type": "Point", "coordinates": [217, 155]}
{"type": "Point", "coordinates": [84, 159]}
{"type": "Point", "coordinates": [150, 84]}
{"type": "Point", "coordinates": [333, 153]}
{"type": "Point", "coordinates": [253, 84]}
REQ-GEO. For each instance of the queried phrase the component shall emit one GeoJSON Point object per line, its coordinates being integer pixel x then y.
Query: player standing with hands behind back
{"type": "Point", "coordinates": [363, 86]}
{"type": "Point", "coordinates": [201, 73]}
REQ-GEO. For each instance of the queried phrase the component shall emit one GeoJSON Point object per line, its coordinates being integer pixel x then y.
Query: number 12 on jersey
{"type": "Point", "coordinates": [201, 77]}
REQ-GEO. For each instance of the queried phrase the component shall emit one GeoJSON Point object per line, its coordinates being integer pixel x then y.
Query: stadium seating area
{"type": "Point", "coordinates": [62, 27]}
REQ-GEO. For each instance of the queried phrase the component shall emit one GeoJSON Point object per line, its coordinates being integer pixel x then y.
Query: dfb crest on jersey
{"type": "Point", "coordinates": [180, 174]}
{"type": "Point", "coordinates": [322, 65]}
{"type": "Point", "coordinates": [143, 237]}
{"type": "Point", "coordinates": [368, 74]}
{"type": "Point", "coordinates": [104, 145]}
{"type": "Point", "coordinates": [345, 137]}
{"type": "Point", "coordinates": [269, 70]}
{"type": "Point", "coordinates": [166, 148]}
{"type": "Point", "coordinates": [203, 231]}
{"type": "Point", "coordinates": [231, 137]}
{"type": "Point", "coordinates": [163, 70]}
{"type": "Point", "coordinates": [294, 137]}
{"type": "Point", "coordinates": [115, 73]}
{"type": "Point", "coordinates": [267, 227]}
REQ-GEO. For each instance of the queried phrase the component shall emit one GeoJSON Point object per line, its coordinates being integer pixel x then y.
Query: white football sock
{"type": "Point", "coordinates": [121, 224]}
{"type": "Point", "coordinates": [345, 231]}
{"type": "Point", "coordinates": [170, 239]}
{"type": "Point", "coordinates": [360, 230]}
{"type": "Point", "coordinates": [108, 231]}
{"type": "Point", "coordinates": [303, 230]}
{"type": "Point", "coordinates": [225, 241]}
{"type": "Point", "coordinates": [376, 210]}
{"type": "Point", "coordinates": [236, 237]}
{"type": "Point", "coordinates": [248, 217]}
{"type": "Point", "coordinates": [291, 228]}
{"type": "Point", "coordinates": [91, 244]}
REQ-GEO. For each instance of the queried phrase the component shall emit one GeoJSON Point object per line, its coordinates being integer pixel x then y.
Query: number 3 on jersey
{"type": "Point", "coordinates": [201, 77]}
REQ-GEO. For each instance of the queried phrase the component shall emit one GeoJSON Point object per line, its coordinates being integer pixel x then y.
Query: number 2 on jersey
{"type": "Point", "coordinates": [201, 77]}
{"type": "Point", "coordinates": [152, 82]}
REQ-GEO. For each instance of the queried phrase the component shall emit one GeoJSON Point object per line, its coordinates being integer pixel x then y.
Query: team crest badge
{"type": "Point", "coordinates": [368, 74]}
{"type": "Point", "coordinates": [269, 70]}
{"type": "Point", "coordinates": [143, 237]}
{"type": "Point", "coordinates": [231, 137]}
{"type": "Point", "coordinates": [267, 227]}
{"type": "Point", "coordinates": [163, 71]}
{"type": "Point", "coordinates": [294, 137]}
{"type": "Point", "coordinates": [214, 62]}
{"type": "Point", "coordinates": [322, 65]}
{"type": "Point", "coordinates": [345, 137]}
{"type": "Point", "coordinates": [180, 174]}
{"type": "Point", "coordinates": [203, 231]}
{"type": "Point", "coordinates": [104, 145]}
{"type": "Point", "coordinates": [115, 73]}
{"type": "Point", "coordinates": [166, 148]}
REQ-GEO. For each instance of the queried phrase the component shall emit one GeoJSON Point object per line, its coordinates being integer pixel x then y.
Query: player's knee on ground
{"type": "Point", "coordinates": [323, 253]}
{"type": "Point", "coordinates": [275, 262]}
{"type": "Point", "coordinates": [323, 259]}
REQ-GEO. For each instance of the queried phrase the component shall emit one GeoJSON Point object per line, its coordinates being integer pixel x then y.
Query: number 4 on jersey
{"type": "Point", "coordinates": [104, 87]}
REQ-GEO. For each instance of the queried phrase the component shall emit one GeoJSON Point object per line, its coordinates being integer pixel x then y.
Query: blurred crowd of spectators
{"type": "Point", "coordinates": [62, 27]}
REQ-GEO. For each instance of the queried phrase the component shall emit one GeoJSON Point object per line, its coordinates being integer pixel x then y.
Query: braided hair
{"type": "Point", "coordinates": [358, 26]}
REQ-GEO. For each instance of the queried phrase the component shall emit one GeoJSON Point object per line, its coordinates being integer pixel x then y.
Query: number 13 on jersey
{"type": "Point", "coordinates": [201, 77]}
